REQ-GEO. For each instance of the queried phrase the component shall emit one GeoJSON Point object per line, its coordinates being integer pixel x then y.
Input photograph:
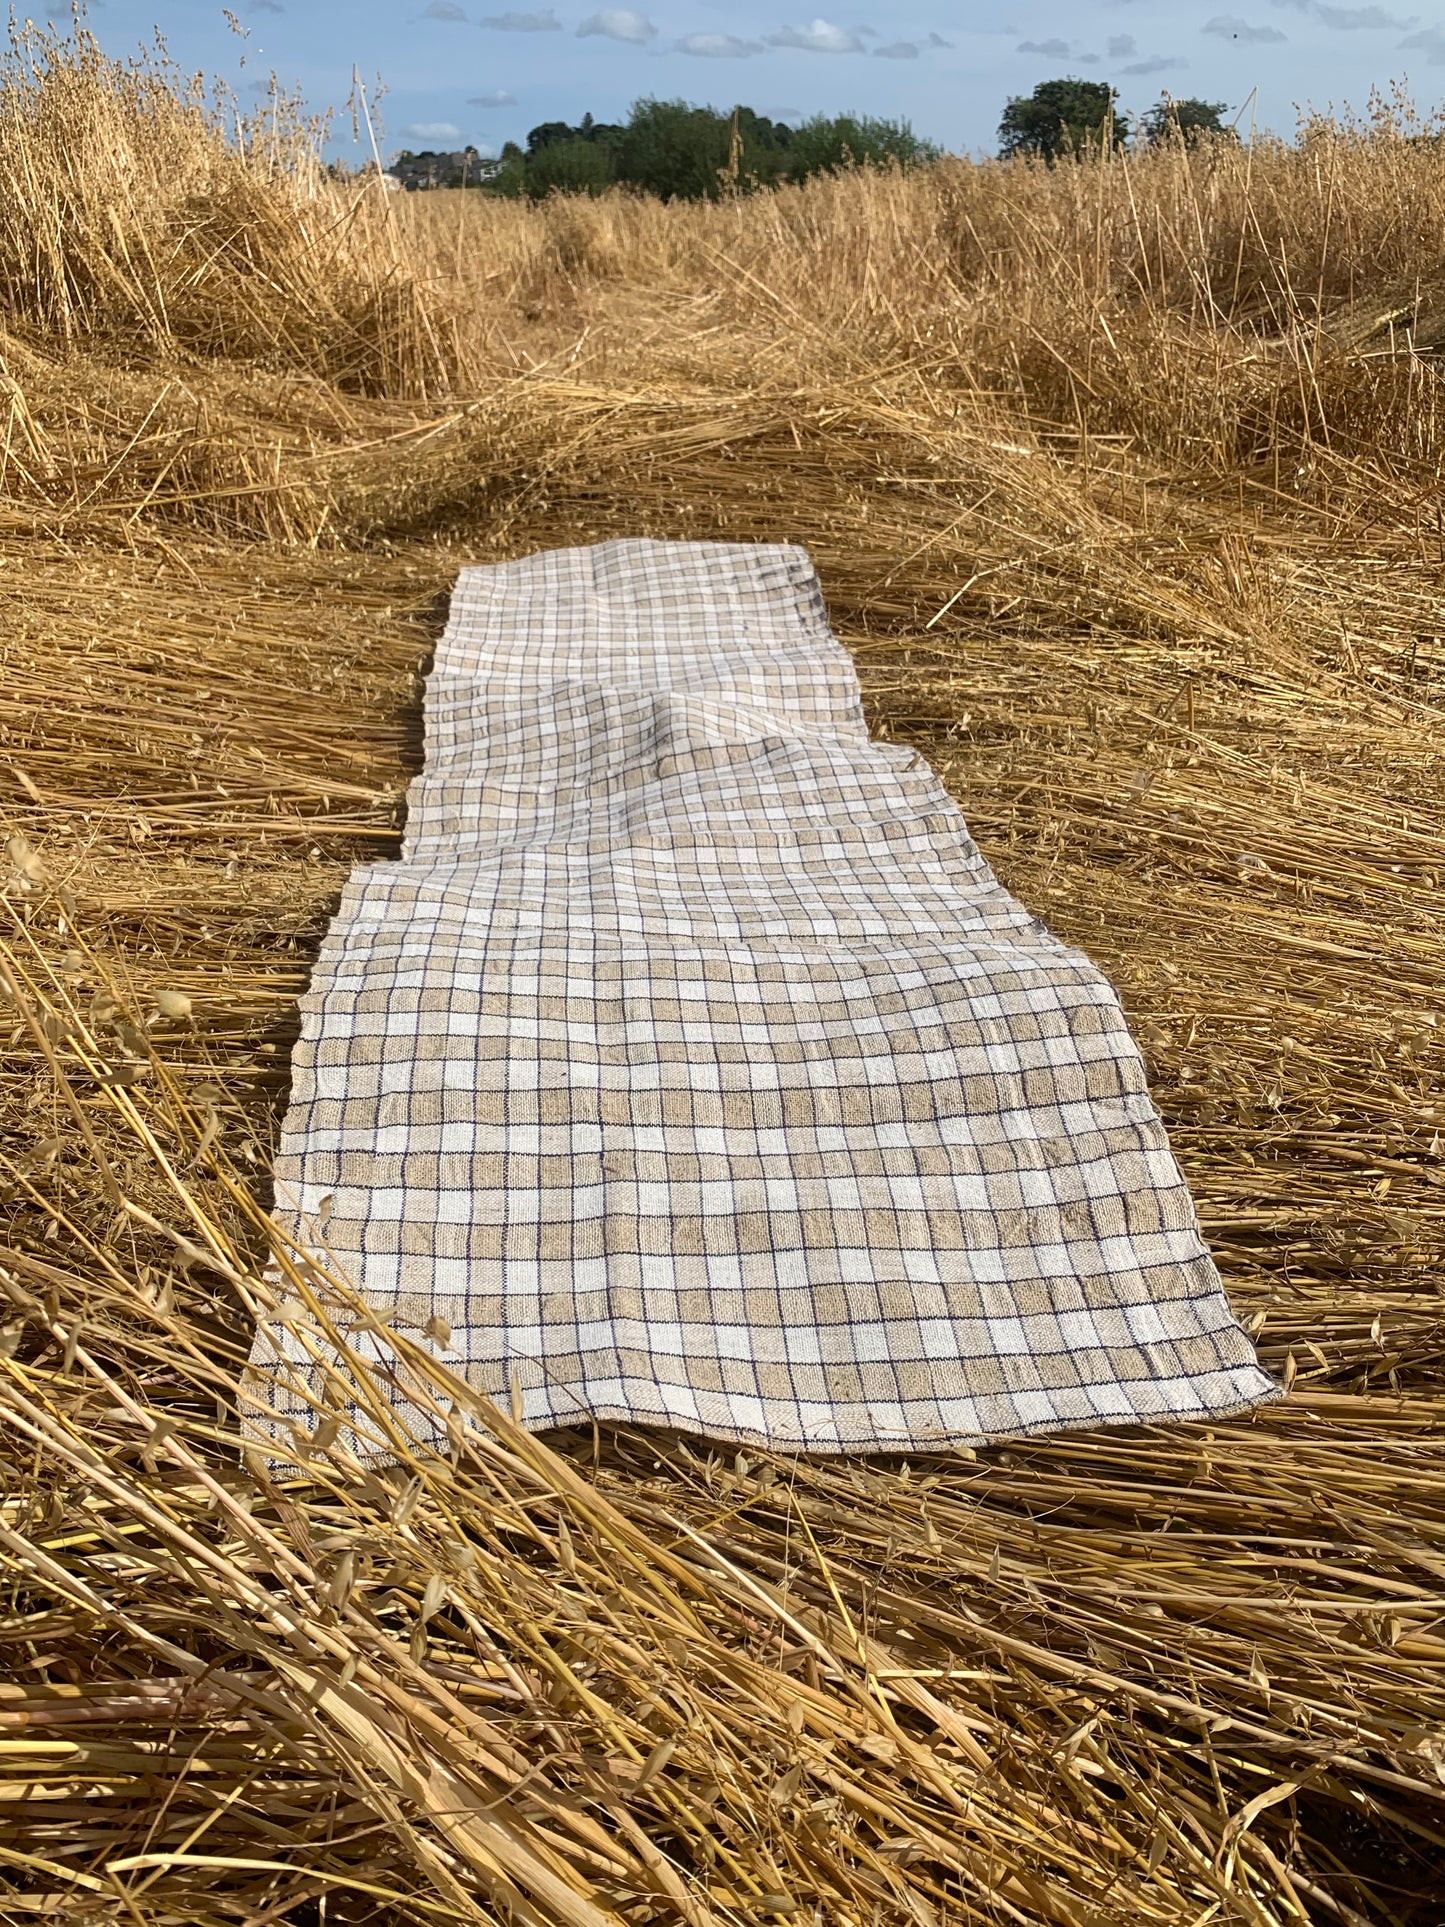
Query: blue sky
{"type": "Point", "coordinates": [485, 70]}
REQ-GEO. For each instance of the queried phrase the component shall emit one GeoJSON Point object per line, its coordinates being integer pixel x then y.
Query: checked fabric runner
{"type": "Point", "coordinates": [691, 1066]}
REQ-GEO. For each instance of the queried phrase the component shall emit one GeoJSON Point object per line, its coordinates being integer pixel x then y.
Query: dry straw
{"type": "Point", "coordinates": [1123, 482]}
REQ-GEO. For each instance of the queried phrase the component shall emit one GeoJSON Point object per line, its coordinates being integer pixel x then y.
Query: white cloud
{"type": "Point", "coordinates": [819, 37]}
{"type": "Point", "coordinates": [431, 130]}
{"type": "Point", "coordinates": [718, 46]}
{"type": "Point", "coordinates": [1353, 19]}
{"type": "Point", "coordinates": [1055, 49]}
{"type": "Point", "coordinates": [498, 97]}
{"type": "Point", "coordinates": [619, 23]}
{"type": "Point", "coordinates": [1430, 42]}
{"type": "Point", "coordinates": [256, 6]}
{"type": "Point", "coordinates": [443, 10]}
{"type": "Point", "coordinates": [1228, 26]}
{"type": "Point", "coordinates": [1348, 19]}
{"type": "Point", "coordinates": [898, 50]}
{"type": "Point", "coordinates": [1154, 64]}
{"type": "Point", "coordinates": [544, 22]}
{"type": "Point", "coordinates": [1122, 46]}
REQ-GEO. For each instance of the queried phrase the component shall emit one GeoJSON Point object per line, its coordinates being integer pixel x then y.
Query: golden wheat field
{"type": "Point", "coordinates": [1124, 482]}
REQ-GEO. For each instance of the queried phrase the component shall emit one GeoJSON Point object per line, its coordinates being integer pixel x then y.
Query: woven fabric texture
{"type": "Point", "coordinates": [692, 1067]}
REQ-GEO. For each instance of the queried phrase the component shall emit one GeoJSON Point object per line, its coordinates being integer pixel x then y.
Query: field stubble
{"type": "Point", "coordinates": [1123, 483]}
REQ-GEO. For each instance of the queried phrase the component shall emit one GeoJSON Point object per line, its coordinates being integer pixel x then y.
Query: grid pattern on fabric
{"type": "Point", "coordinates": [692, 1067]}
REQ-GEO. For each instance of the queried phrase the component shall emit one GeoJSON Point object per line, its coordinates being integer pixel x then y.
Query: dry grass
{"type": "Point", "coordinates": [1124, 487]}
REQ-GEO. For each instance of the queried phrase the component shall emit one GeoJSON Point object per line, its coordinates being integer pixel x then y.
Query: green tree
{"type": "Point", "coordinates": [1187, 120]}
{"type": "Point", "coordinates": [570, 165]}
{"type": "Point", "coordinates": [507, 174]}
{"type": "Point", "coordinates": [824, 146]}
{"type": "Point", "coordinates": [548, 135]}
{"type": "Point", "coordinates": [674, 150]}
{"type": "Point", "coordinates": [764, 147]}
{"type": "Point", "coordinates": [1060, 118]}
{"type": "Point", "coordinates": [681, 152]}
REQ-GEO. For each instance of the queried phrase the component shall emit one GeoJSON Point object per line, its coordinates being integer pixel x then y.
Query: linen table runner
{"type": "Point", "coordinates": [692, 1067]}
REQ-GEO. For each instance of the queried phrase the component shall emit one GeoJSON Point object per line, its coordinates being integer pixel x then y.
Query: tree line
{"type": "Point", "coordinates": [678, 151]}
{"type": "Point", "coordinates": [672, 149]}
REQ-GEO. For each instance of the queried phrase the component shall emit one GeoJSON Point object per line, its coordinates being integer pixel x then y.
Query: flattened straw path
{"type": "Point", "coordinates": [1127, 515]}
{"type": "Point", "coordinates": [783, 1676]}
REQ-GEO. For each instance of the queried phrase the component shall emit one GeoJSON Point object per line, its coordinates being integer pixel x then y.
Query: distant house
{"type": "Point", "coordinates": [465, 168]}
